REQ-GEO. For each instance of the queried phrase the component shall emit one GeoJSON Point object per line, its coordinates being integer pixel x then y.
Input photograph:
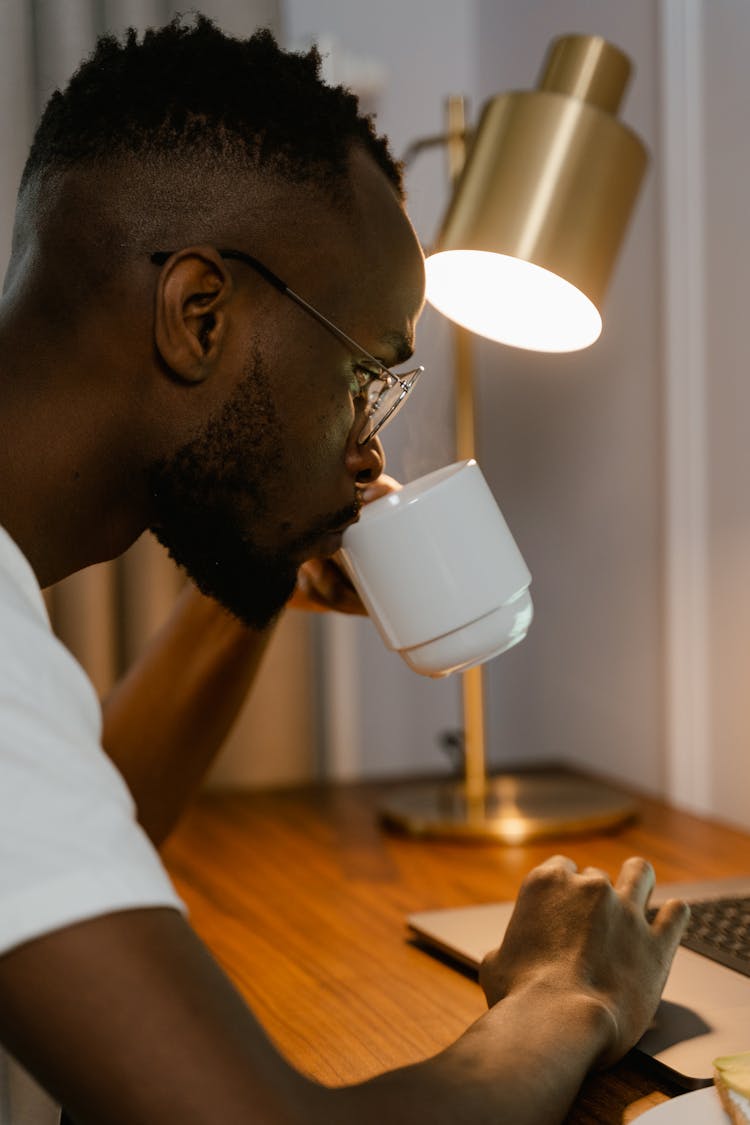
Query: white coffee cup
{"type": "Point", "coordinates": [439, 571]}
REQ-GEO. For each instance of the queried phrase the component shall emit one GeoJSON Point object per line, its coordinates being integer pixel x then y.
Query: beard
{"type": "Point", "coordinates": [218, 485]}
{"type": "Point", "coordinates": [254, 587]}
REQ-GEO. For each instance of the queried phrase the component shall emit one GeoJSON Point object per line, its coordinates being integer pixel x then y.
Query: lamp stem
{"type": "Point", "coordinates": [455, 112]}
{"type": "Point", "coordinates": [463, 352]}
{"type": "Point", "coordinates": [475, 772]}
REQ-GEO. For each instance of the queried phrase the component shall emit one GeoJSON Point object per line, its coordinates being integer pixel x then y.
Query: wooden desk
{"type": "Point", "coordinates": [302, 898]}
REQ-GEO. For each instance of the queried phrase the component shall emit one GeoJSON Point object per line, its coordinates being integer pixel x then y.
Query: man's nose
{"type": "Point", "coordinates": [364, 462]}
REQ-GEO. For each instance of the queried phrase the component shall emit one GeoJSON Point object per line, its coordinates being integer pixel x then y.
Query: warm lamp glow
{"type": "Point", "coordinates": [511, 301]}
{"type": "Point", "coordinates": [541, 205]}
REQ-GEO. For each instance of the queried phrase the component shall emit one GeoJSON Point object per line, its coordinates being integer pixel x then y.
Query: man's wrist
{"type": "Point", "coordinates": [573, 1016]}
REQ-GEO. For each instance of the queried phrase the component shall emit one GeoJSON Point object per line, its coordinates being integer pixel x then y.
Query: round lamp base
{"type": "Point", "coordinates": [513, 809]}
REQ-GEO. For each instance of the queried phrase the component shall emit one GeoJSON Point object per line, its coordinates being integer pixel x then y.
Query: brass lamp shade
{"type": "Point", "coordinates": [530, 239]}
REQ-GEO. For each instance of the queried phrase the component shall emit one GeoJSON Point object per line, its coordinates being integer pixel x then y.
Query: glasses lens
{"type": "Point", "coordinates": [386, 403]}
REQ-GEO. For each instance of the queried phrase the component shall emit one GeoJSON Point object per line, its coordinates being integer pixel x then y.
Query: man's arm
{"type": "Point", "coordinates": [167, 719]}
{"type": "Point", "coordinates": [126, 1018]}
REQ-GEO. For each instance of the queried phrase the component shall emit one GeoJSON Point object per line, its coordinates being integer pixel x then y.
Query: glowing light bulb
{"type": "Point", "coordinates": [511, 301]}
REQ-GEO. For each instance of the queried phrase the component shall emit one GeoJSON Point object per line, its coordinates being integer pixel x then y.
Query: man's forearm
{"type": "Point", "coordinates": [521, 1063]}
{"type": "Point", "coordinates": [166, 720]}
{"type": "Point", "coordinates": [155, 1033]}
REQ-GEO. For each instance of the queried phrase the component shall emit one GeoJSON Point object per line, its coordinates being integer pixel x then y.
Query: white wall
{"type": "Point", "coordinates": [572, 446]}
{"type": "Point", "coordinates": [627, 468]}
{"type": "Point", "coordinates": [726, 82]}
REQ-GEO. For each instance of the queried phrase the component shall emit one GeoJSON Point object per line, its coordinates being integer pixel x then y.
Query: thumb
{"type": "Point", "coordinates": [380, 487]}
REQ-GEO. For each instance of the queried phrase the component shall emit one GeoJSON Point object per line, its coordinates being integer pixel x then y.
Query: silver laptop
{"type": "Point", "coordinates": [705, 1008]}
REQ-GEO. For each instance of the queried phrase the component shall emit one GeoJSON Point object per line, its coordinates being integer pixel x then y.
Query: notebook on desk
{"type": "Point", "coordinates": [705, 1008]}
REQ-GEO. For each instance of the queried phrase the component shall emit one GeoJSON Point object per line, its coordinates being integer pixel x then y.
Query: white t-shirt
{"type": "Point", "coordinates": [70, 846]}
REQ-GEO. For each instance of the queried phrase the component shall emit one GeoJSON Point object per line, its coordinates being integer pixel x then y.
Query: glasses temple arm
{"type": "Point", "coordinates": [161, 256]}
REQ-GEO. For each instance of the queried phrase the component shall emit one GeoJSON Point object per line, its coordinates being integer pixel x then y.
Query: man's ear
{"type": "Point", "coordinates": [191, 312]}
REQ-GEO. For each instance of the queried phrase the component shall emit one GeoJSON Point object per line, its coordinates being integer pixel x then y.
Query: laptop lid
{"type": "Point", "coordinates": [705, 1007]}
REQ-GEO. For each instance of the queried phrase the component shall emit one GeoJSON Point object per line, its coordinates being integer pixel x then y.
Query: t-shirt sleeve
{"type": "Point", "coordinates": [70, 845]}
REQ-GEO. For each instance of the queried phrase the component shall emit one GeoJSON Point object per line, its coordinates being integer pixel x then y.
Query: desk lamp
{"type": "Point", "coordinates": [542, 194]}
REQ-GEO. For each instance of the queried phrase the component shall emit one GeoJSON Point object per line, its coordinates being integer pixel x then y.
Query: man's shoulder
{"type": "Point", "coordinates": [18, 584]}
{"type": "Point", "coordinates": [36, 670]}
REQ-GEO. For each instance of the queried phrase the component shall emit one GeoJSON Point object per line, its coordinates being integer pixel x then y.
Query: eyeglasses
{"type": "Point", "coordinates": [383, 391]}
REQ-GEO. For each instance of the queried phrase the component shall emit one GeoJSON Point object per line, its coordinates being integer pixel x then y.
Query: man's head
{"type": "Point", "coordinates": [231, 418]}
{"type": "Point", "coordinates": [188, 89]}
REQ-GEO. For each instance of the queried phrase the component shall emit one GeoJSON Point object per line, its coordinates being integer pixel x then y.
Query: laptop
{"type": "Point", "coordinates": [705, 1006]}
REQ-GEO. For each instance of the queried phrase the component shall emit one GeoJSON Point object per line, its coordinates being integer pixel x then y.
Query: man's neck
{"type": "Point", "coordinates": [66, 496]}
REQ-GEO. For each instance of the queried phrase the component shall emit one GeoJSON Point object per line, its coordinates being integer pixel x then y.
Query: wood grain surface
{"type": "Point", "coordinates": [302, 898]}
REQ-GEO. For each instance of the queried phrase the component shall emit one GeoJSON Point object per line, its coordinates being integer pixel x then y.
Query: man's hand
{"type": "Point", "coordinates": [321, 583]}
{"type": "Point", "coordinates": [575, 933]}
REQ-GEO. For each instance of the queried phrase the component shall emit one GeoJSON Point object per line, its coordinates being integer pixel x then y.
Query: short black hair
{"type": "Point", "coordinates": [187, 89]}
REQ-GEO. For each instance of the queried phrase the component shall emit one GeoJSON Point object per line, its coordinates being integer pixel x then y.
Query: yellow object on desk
{"type": "Point", "coordinates": [732, 1080]}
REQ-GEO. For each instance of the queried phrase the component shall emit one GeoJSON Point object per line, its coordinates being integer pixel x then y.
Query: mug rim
{"type": "Point", "coordinates": [410, 493]}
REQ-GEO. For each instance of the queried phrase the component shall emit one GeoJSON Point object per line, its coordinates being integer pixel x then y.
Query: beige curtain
{"type": "Point", "coordinates": [107, 613]}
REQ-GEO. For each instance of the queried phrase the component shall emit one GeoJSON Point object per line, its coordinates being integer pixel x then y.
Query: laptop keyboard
{"type": "Point", "coordinates": [720, 929]}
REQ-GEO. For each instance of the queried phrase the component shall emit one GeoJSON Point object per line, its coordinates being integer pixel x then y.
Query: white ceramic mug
{"type": "Point", "coordinates": [439, 571]}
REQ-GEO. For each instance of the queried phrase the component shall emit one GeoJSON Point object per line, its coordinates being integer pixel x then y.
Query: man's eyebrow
{"type": "Point", "coordinates": [402, 345]}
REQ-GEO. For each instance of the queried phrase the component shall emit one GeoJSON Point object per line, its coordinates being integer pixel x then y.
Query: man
{"type": "Point", "coordinates": [157, 372]}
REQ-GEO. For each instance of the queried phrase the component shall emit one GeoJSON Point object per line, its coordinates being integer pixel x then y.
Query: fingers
{"type": "Point", "coordinates": [671, 920]}
{"type": "Point", "coordinates": [558, 862]}
{"type": "Point", "coordinates": [636, 881]}
{"type": "Point", "coordinates": [595, 873]}
{"type": "Point", "coordinates": [321, 585]}
{"type": "Point", "coordinates": [324, 578]}
{"type": "Point", "coordinates": [380, 487]}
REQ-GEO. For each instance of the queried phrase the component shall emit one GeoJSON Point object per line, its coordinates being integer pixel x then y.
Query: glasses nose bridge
{"type": "Point", "coordinates": [390, 402]}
